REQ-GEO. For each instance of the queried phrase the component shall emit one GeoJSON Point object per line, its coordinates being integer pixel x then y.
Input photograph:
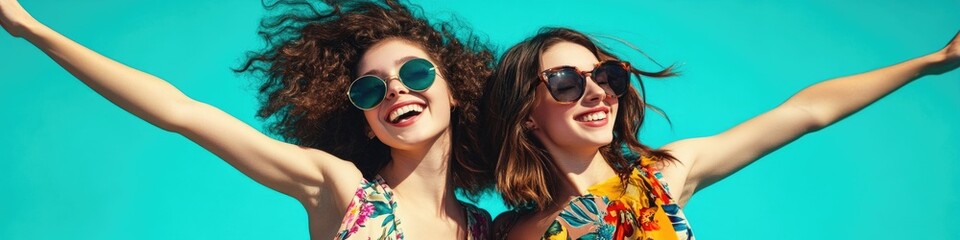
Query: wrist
{"type": "Point", "coordinates": [938, 62]}
{"type": "Point", "coordinates": [937, 57]}
{"type": "Point", "coordinates": [33, 31]}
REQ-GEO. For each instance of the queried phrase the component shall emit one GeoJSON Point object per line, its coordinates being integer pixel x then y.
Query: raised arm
{"type": "Point", "coordinates": [708, 159]}
{"type": "Point", "coordinates": [293, 170]}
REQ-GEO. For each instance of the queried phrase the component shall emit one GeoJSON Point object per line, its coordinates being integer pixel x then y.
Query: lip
{"type": "Point", "coordinates": [406, 122]}
{"type": "Point", "coordinates": [600, 123]}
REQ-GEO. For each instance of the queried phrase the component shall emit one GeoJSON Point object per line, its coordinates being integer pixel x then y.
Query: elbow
{"type": "Point", "coordinates": [178, 116]}
{"type": "Point", "coordinates": [811, 118]}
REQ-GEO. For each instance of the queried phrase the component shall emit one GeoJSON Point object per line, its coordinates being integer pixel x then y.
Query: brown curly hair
{"type": "Point", "coordinates": [525, 174]}
{"type": "Point", "coordinates": [311, 58]}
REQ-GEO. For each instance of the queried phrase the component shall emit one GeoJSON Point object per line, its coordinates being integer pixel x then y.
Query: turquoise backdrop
{"type": "Point", "coordinates": [74, 166]}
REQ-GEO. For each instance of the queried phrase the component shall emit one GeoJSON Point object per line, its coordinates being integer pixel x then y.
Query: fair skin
{"type": "Point", "coordinates": [323, 183]}
{"type": "Point", "coordinates": [705, 160]}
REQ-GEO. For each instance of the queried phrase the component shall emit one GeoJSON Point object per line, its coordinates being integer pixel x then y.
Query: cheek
{"type": "Point", "coordinates": [552, 123]}
{"type": "Point", "coordinates": [557, 117]}
{"type": "Point", "coordinates": [539, 112]}
{"type": "Point", "coordinates": [440, 94]}
{"type": "Point", "coordinates": [615, 110]}
{"type": "Point", "coordinates": [371, 117]}
{"type": "Point", "coordinates": [548, 114]}
{"type": "Point", "coordinates": [614, 105]}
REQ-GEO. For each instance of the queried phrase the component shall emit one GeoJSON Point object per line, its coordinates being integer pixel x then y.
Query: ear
{"type": "Point", "coordinates": [369, 131]}
{"type": "Point", "coordinates": [453, 101]}
{"type": "Point", "coordinates": [530, 124]}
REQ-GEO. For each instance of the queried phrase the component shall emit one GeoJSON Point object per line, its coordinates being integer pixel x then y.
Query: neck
{"type": "Point", "coordinates": [581, 168]}
{"type": "Point", "coordinates": [419, 175]}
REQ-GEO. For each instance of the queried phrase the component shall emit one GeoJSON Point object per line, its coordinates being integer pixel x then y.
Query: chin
{"type": "Point", "coordinates": [600, 142]}
{"type": "Point", "coordinates": [420, 133]}
{"type": "Point", "coordinates": [588, 141]}
{"type": "Point", "coordinates": [600, 136]}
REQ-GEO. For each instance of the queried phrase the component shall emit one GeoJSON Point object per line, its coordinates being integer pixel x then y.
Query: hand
{"type": "Point", "coordinates": [14, 18]}
{"type": "Point", "coordinates": [948, 58]}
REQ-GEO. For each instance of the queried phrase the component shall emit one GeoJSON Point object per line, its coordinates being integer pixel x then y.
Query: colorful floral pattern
{"type": "Point", "coordinates": [641, 210]}
{"type": "Point", "coordinates": [370, 215]}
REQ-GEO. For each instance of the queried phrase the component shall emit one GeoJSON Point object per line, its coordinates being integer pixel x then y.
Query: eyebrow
{"type": "Point", "coordinates": [381, 74]}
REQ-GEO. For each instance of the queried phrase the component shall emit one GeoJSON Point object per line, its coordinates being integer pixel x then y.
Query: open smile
{"type": "Point", "coordinates": [596, 117]}
{"type": "Point", "coordinates": [404, 114]}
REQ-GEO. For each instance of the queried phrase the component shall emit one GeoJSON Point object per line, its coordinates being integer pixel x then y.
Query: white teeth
{"type": "Point", "coordinates": [597, 116]}
{"type": "Point", "coordinates": [404, 110]}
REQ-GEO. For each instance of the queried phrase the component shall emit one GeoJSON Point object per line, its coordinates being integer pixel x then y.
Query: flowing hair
{"type": "Point", "coordinates": [310, 60]}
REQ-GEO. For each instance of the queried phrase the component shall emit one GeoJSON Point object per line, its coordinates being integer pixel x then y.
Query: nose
{"type": "Point", "coordinates": [395, 88]}
{"type": "Point", "coordinates": [593, 92]}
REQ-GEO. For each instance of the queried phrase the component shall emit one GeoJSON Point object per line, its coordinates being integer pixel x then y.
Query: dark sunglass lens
{"type": "Point", "coordinates": [565, 84]}
{"type": "Point", "coordinates": [418, 74]}
{"type": "Point", "coordinates": [367, 92]}
{"type": "Point", "coordinates": [612, 77]}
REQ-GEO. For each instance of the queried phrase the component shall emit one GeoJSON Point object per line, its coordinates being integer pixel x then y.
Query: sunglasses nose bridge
{"type": "Point", "coordinates": [395, 87]}
{"type": "Point", "coordinates": [587, 74]}
{"type": "Point", "coordinates": [592, 90]}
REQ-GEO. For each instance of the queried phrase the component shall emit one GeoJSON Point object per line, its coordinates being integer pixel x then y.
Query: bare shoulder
{"type": "Point", "coordinates": [685, 152]}
{"type": "Point", "coordinates": [327, 203]}
{"type": "Point", "coordinates": [677, 173]}
{"type": "Point", "coordinates": [341, 179]}
{"type": "Point", "coordinates": [336, 171]}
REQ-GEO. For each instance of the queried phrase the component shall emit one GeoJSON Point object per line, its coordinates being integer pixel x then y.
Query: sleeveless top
{"type": "Point", "coordinates": [641, 210]}
{"type": "Point", "coordinates": [371, 215]}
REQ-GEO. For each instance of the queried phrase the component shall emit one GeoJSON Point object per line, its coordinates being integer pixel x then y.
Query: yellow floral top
{"type": "Point", "coordinates": [641, 209]}
{"type": "Point", "coordinates": [371, 215]}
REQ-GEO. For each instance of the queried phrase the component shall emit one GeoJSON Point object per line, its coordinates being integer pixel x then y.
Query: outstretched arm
{"type": "Point", "coordinates": [708, 159]}
{"type": "Point", "coordinates": [293, 170]}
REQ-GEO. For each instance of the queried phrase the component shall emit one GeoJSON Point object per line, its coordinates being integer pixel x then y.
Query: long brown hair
{"type": "Point", "coordinates": [525, 174]}
{"type": "Point", "coordinates": [311, 58]}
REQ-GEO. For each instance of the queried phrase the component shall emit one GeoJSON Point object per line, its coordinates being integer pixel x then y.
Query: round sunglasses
{"type": "Point", "coordinates": [368, 91]}
{"type": "Point", "coordinates": [567, 84]}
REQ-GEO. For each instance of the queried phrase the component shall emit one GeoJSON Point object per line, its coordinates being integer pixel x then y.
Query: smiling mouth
{"type": "Point", "coordinates": [404, 112]}
{"type": "Point", "coordinates": [592, 117]}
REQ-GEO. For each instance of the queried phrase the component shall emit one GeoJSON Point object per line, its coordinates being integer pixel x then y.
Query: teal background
{"type": "Point", "coordinates": [74, 166]}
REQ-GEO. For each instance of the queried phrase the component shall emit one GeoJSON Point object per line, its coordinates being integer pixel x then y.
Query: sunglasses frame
{"type": "Point", "coordinates": [544, 75]}
{"type": "Point", "coordinates": [434, 69]}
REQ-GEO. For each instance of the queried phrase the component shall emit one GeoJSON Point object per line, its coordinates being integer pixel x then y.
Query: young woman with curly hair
{"type": "Point", "coordinates": [562, 117]}
{"type": "Point", "coordinates": [363, 92]}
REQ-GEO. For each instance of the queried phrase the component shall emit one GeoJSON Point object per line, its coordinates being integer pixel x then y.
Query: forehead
{"type": "Point", "coordinates": [386, 56]}
{"type": "Point", "coordinates": [568, 54]}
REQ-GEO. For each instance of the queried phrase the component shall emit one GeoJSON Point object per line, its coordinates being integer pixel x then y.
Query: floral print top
{"type": "Point", "coordinates": [371, 215]}
{"type": "Point", "coordinates": [641, 210]}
